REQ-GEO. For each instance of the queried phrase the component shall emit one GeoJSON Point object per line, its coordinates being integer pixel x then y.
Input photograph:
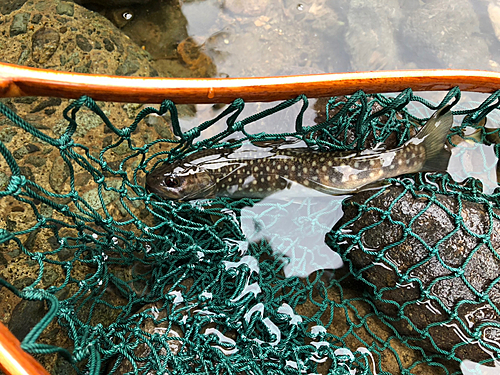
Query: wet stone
{"type": "Point", "coordinates": [45, 42]}
{"type": "Point", "coordinates": [65, 8]}
{"type": "Point", "coordinates": [58, 175]}
{"type": "Point", "coordinates": [36, 18]}
{"type": "Point", "coordinates": [64, 254]}
{"type": "Point", "coordinates": [4, 181]}
{"type": "Point", "coordinates": [51, 102]}
{"type": "Point", "coordinates": [28, 173]}
{"type": "Point", "coordinates": [54, 244]}
{"type": "Point", "coordinates": [116, 41]}
{"type": "Point", "coordinates": [30, 241]}
{"type": "Point", "coordinates": [81, 179]}
{"type": "Point", "coordinates": [23, 57]}
{"type": "Point", "coordinates": [21, 283]}
{"type": "Point", "coordinates": [83, 43]}
{"type": "Point", "coordinates": [25, 150]}
{"type": "Point", "coordinates": [7, 133]}
{"type": "Point", "coordinates": [161, 125]}
{"type": "Point", "coordinates": [7, 7]}
{"type": "Point", "coordinates": [132, 109]}
{"type": "Point", "coordinates": [463, 268]}
{"type": "Point", "coordinates": [3, 261]}
{"type": "Point", "coordinates": [49, 276]}
{"type": "Point", "coordinates": [19, 24]}
{"type": "Point", "coordinates": [26, 100]}
{"type": "Point", "coordinates": [46, 210]}
{"type": "Point", "coordinates": [10, 225]}
{"type": "Point", "coordinates": [106, 141]}
{"type": "Point", "coordinates": [83, 68]}
{"type": "Point", "coordinates": [128, 67]}
{"type": "Point", "coordinates": [108, 45]}
{"type": "Point", "coordinates": [25, 316]}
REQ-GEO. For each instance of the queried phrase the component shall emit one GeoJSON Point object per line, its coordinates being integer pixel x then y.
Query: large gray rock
{"type": "Point", "coordinates": [370, 35]}
{"type": "Point", "coordinates": [445, 34]}
{"type": "Point", "coordinates": [440, 295]}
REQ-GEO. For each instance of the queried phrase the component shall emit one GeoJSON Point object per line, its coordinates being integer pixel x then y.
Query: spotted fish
{"type": "Point", "coordinates": [256, 172]}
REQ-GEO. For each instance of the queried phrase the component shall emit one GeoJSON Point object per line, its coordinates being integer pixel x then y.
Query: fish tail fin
{"type": "Point", "coordinates": [433, 136]}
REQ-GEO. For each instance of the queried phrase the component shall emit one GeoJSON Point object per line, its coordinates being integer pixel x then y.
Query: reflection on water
{"type": "Point", "coordinates": [470, 159]}
{"type": "Point", "coordinates": [294, 224]}
{"type": "Point", "coordinates": [473, 368]}
{"type": "Point", "coordinates": [263, 38]}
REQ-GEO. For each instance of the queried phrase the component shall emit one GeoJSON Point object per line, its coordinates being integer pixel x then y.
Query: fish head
{"type": "Point", "coordinates": [181, 181]}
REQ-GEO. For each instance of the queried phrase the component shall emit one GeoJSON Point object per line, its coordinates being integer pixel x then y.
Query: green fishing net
{"type": "Point", "coordinates": [144, 286]}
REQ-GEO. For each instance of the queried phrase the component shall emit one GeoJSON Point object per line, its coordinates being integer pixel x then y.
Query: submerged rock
{"type": "Point", "coordinates": [371, 37]}
{"type": "Point", "coordinates": [432, 262]}
{"type": "Point", "coordinates": [429, 36]}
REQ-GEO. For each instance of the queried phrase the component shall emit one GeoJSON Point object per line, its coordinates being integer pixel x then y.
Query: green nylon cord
{"type": "Point", "coordinates": [177, 266]}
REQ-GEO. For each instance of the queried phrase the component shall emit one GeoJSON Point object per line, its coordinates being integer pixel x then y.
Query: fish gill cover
{"type": "Point", "coordinates": [136, 284]}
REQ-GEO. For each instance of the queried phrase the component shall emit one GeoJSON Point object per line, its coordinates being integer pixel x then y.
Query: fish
{"type": "Point", "coordinates": [249, 171]}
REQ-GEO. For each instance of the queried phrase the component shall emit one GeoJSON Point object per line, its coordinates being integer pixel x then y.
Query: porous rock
{"type": "Point", "coordinates": [425, 266]}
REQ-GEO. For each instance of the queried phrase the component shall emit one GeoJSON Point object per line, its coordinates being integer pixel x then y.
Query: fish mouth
{"type": "Point", "coordinates": [178, 197]}
{"type": "Point", "coordinates": [209, 189]}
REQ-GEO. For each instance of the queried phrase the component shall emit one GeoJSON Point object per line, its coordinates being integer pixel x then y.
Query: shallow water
{"type": "Point", "coordinates": [234, 38]}
{"type": "Point", "coordinates": [265, 38]}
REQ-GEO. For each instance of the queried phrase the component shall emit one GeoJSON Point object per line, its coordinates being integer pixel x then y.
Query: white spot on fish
{"type": "Point", "coordinates": [268, 178]}
{"type": "Point", "coordinates": [356, 164]}
{"type": "Point", "coordinates": [256, 169]}
{"type": "Point", "coordinates": [330, 163]}
{"type": "Point", "coordinates": [293, 168]}
{"type": "Point", "coordinates": [254, 182]}
{"type": "Point", "coordinates": [323, 168]}
{"type": "Point", "coordinates": [305, 170]}
{"type": "Point", "coordinates": [372, 162]}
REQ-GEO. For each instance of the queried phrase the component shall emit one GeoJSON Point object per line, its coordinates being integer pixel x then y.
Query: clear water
{"type": "Point", "coordinates": [285, 37]}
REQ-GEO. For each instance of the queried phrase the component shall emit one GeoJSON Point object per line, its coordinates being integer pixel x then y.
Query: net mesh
{"type": "Point", "coordinates": [144, 286]}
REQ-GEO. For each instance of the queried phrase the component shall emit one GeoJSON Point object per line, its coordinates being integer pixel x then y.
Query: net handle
{"type": "Point", "coordinates": [17, 81]}
{"type": "Point", "coordinates": [13, 359]}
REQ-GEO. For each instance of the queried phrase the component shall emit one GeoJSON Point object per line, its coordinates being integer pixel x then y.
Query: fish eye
{"type": "Point", "coordinates": [171, 182]}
